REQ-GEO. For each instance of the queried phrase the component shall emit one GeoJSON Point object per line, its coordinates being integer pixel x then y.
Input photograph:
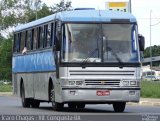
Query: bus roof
{"type": "Point", "coordinates": [81, 16]}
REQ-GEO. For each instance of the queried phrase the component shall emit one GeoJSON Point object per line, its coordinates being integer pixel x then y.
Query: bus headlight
{"type": "Point", "coordinates": [71, 83]}
{"type": "Point", "coordinates": [76, 83]}
{"type": "Point", "coordinates": [133, 83]}
{"type": "Point", "coordinates": [125, 83]}
{"type": "Point", "coordinates": [79, 82]}
{"type": "Point", "coordinates": [130, 83]}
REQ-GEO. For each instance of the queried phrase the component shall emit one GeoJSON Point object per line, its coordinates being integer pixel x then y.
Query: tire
{"type": "Point", "coordinates": [72, 106]}
{"type": "Point", "coordinates": [25, 101]}
{"type": "Point", "coordinates": [55, 105]}
{"type": "Point", "coordinates": [119, 106]}
{"type": "Point", "coordinates": [35, 103]}
{"type": "Point", "coordinates": [81, 105]}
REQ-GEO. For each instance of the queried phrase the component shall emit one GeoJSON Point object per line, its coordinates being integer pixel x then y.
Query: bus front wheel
{"type": "Point", "coordinates": [35, 103]}
{"type": "Point", "coordinates": [81, 105]}
{"type": "Point", "coordinates": [55, 105]}
{"type": "Point", "coordinates": [25, 101]}
{"type": "Point", "coordinates": [72, 105]}
{"type": "Point", "coordinates": [119, 106]}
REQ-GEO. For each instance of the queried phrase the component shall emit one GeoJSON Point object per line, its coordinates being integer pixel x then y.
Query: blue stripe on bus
{"type": "Point", "coordinates": [43, 61]}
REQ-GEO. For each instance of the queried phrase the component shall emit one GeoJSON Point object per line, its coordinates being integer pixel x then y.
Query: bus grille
{"type": "Point", "coordinates": [113, 83]}
{"type": "Point", "coordinates": [101, 73]}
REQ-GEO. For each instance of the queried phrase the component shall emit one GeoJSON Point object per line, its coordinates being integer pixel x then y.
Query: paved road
{"type": "Point", "coordinates": [11, 105]}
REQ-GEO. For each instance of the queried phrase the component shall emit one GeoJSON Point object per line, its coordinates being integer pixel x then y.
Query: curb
{"type": "Point", "coordinates": [146, 102]}
{"type": "Point", "coordinates": [6, 93]}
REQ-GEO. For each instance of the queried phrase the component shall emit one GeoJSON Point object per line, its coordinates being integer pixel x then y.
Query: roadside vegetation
{"type": "Point", "coordinates": [5, 88]}
{"type": "Point", "coordinates": [150, 89]}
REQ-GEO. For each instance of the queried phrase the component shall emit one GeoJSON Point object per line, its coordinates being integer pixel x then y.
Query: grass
{"type": "Point", "coordinates": [5, 88]}
{"type": "Point", "coordinates": [150, 89]}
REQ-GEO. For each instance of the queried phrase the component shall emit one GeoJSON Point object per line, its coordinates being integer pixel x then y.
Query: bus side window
{"type": "Point", "coordinates": [52, 34]}
{"type": "Point", "coordinates": [49, 34]}
{"type": "Point", "coordinates": [15, 43]}
{"type": "Point", "coordinates": [22, 41]}
{"type": "Point", "coordinates": [41, 36]}
{"type": "Point", "coordinates": [32, 37]}
{"type": "Point", "coordinates": [45, 35]}
{"type": "Point", "coordinates": [35, 39]}
{"type": "Point", "coordinates": [57, 36]}
{"type": "Point", "coordinates": [38, 37]}
{"type": "Point", "coordinates": [18, 42]}
{"type": "Point", "coordinates": [28, 43]}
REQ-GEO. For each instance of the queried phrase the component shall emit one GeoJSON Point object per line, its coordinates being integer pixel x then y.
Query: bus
{"type": "Point", "coordinates": [78, 57]}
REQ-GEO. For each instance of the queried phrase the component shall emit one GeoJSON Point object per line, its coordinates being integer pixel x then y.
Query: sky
{"type": "Point", "coordinates": [141, 9]}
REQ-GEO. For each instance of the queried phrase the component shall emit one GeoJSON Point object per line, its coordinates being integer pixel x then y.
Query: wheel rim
{"type": "Point", "coordinates": [52, 96]}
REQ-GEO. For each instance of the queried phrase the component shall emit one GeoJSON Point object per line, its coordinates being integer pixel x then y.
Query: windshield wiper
{"type": "Point", "coordinates": [116, 56]}
{"type": "Point", "coordinates": [90, 54]}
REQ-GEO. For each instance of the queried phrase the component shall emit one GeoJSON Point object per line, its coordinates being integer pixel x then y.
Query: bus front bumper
{"type": "Point", "coordinates": [106, 95]}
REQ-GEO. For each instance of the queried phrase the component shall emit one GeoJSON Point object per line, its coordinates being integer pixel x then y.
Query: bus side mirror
{"type": "Point", "coordinates": [141, 41]}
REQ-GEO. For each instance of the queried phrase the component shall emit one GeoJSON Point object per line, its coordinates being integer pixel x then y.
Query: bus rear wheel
{"type": "Point", "coordinates": [119, 106]}
{"type": "Point", "coordinates": [25, 101]}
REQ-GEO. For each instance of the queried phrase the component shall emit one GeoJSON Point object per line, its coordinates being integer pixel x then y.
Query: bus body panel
{"type": "Point", "coordinates": [35, 70]}
{"type": "Point", "coordinates": [34, 62]}
{"type": "Point", "coordinates": [100, 78]}
{"type": "Point", "coordinates": [92, 97]}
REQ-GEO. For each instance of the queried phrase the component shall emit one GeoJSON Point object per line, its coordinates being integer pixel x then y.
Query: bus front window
{"type": "Point", "coordinates": [83, 41]}
{"type": "Point", "coordinates": [120, 42]}
{"type": "Point", "coordinates": [103, 43]}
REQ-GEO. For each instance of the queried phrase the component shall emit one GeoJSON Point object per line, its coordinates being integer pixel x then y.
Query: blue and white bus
{"type": "Point", "coordinates": [78, 57]}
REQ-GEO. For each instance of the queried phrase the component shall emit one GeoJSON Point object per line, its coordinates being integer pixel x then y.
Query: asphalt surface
{"type": "Point", "coordinates": [11, 106]}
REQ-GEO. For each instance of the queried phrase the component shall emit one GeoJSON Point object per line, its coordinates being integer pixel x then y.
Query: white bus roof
{"type": "Point", "coordinates": [93, 16]}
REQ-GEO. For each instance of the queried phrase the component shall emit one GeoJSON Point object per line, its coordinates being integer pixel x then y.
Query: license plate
{"type": "Point", "coordinates": [103, 92]}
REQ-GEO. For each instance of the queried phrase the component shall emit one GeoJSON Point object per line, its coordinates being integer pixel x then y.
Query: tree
{"type": "Point", "coordinates": [43, 12]}
{"type": "Point", "coordinates": [6, 59]}
{"type": "Point", "coordinates": [62, 6]}
{"type": "Point", "coordinates": [155, 51]}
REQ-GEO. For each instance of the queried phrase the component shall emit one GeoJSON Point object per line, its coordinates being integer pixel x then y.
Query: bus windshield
{"type": "Point", "coordinates": [100, 43]}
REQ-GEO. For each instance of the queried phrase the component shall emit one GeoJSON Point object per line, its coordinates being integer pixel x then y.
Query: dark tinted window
{"type": "Point", "coordinates": [49, 31]}
{"type": "Point", "coordinates": [35, 39]}
{"type": "Point", "coordinates": [28, 40]}
{"type": "Point", "coordinates": [32, 36]}
{"type": "Point", "coordinates": [45, 35]}
{"type": "Point", "coordinates": [41, 36]}
{"type": "Point", "coordinates": [15, 46]}
{"type": "Point", "coordinates": [22, 41]}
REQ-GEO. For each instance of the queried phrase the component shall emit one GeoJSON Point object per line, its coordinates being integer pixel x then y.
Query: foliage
{"type": "Point", "coordinates": [150, 89]}
{"type": "Point", "coordinates": [14, 12]}
{"type": "Point", "coordinates": [33, 15]}
{"type": "Point", "coordinates": [5, 88]}
{"type": "Point", "coordinates": [155, 51]}
{"type": "Point", "coordinates": [6, 59]}
{"type": "Point", "coordinates": [62, 6]}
